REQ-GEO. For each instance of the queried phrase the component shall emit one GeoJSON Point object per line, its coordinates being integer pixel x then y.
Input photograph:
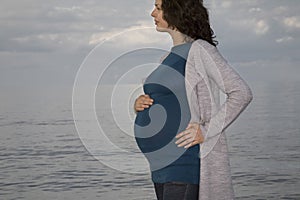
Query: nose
{"type": "Point", "coordinates": [153, 13]}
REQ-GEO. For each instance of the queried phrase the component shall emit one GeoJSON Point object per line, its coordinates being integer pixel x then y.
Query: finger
{"type": "Point", "coordinates": [187, 131]}
{"type": "Point", "coordinates": [145, 101]}
{"type": "Point", "coordinates": [148, 101]}
{"type": "Point", "coordinates": [141, 102]}
{"type": "Point", "coordinates": [139, 109]}
{"type": "Point", "coordinates": [179, 135]}
{"type": "Point", "coordinates": [147, 97]}
{"type": "Point", "coordinates": [142, 98]}
{"type": "Point", "coordinates": [193, 143]}
{"type": "Point", "coordinates": [183, 138]}
{"type": "Point", "coordinates": [186, 142]}
{"type": "Point", "coordinates": [145, 106]}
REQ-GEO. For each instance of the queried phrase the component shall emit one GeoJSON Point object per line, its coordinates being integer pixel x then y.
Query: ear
{"type": "Point", "coordinates": [172, 27]}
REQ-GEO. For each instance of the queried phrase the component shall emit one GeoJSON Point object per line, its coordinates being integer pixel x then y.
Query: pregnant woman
{"type": "Point", "coordinates": [177, 125]}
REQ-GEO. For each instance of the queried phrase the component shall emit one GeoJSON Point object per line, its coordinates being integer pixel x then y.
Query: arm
{"type": "Point", "coordinates": [217, 69]}
{"type": "Point", "coordinates": [192, 79]}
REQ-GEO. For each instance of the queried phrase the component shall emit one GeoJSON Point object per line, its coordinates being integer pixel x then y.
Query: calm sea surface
{"type": "Point", "coordinates": [42, 156]}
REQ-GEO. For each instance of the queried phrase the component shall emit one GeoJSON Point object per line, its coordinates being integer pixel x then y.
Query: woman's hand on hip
{"type": "Point", "coordinates": [191, 136]}
{"type": "Point", "coordinates": [142, 102]}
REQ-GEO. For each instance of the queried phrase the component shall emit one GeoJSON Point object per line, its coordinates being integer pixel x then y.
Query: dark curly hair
{"type": "Point", "coordinates": [190, 17]}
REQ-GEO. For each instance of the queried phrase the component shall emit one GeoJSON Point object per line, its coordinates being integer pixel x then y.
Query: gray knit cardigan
{"type": "Point", "coordinates": [207, 74]}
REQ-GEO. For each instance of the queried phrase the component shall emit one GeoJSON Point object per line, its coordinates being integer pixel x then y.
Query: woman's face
{"type": "Point", "coordinates": [157, 14]}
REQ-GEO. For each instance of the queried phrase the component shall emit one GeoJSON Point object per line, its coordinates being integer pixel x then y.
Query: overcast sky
{"type": "Point", "coordinates": [44, 42]}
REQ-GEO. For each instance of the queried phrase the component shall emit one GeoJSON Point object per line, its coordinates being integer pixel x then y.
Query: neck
{"type": "Point", "coordinates": [178, 37]}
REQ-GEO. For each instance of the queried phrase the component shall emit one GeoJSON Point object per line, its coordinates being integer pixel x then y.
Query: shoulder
{"type": "Point", "coordinates": [206, 57]}
{"type": "Point", "coordinates": [200, 45]}
{"type": "Point", "coordinates": [203, 51]}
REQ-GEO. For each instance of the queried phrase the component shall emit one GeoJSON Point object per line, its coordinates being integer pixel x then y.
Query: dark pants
{"type": "Point", "coordinates": [176, 191]}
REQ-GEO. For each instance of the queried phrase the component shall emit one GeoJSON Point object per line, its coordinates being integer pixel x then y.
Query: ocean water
{"type": "Point", "coordinates": [43, 157]}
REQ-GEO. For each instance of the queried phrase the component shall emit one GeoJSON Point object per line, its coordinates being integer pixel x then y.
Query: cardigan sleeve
{"type": "Point", "coordinates": [238, 93]}
{"type": "Point", "coordinates": [191, 82]}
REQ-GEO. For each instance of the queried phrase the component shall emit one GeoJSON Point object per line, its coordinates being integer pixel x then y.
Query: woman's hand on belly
{"type": "Point", "coordinates": [191, 136]}
{"type": "Point", "coordinates": [142, 102]}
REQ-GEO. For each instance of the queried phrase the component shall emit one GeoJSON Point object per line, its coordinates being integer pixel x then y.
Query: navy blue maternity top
{"type": "Point", "coordinates": [156, 127]}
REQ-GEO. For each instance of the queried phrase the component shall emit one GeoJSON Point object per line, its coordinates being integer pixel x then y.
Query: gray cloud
{"type": "Point", "coordinates": [54, 34]}
{"type": "Point", "coordinates": [257, 29]}
{"type": "Point", "coordinates": [56, 25]}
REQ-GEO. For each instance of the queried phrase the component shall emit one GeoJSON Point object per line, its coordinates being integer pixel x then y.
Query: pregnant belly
{"type": "Point", "coordinates": [156, 126]}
